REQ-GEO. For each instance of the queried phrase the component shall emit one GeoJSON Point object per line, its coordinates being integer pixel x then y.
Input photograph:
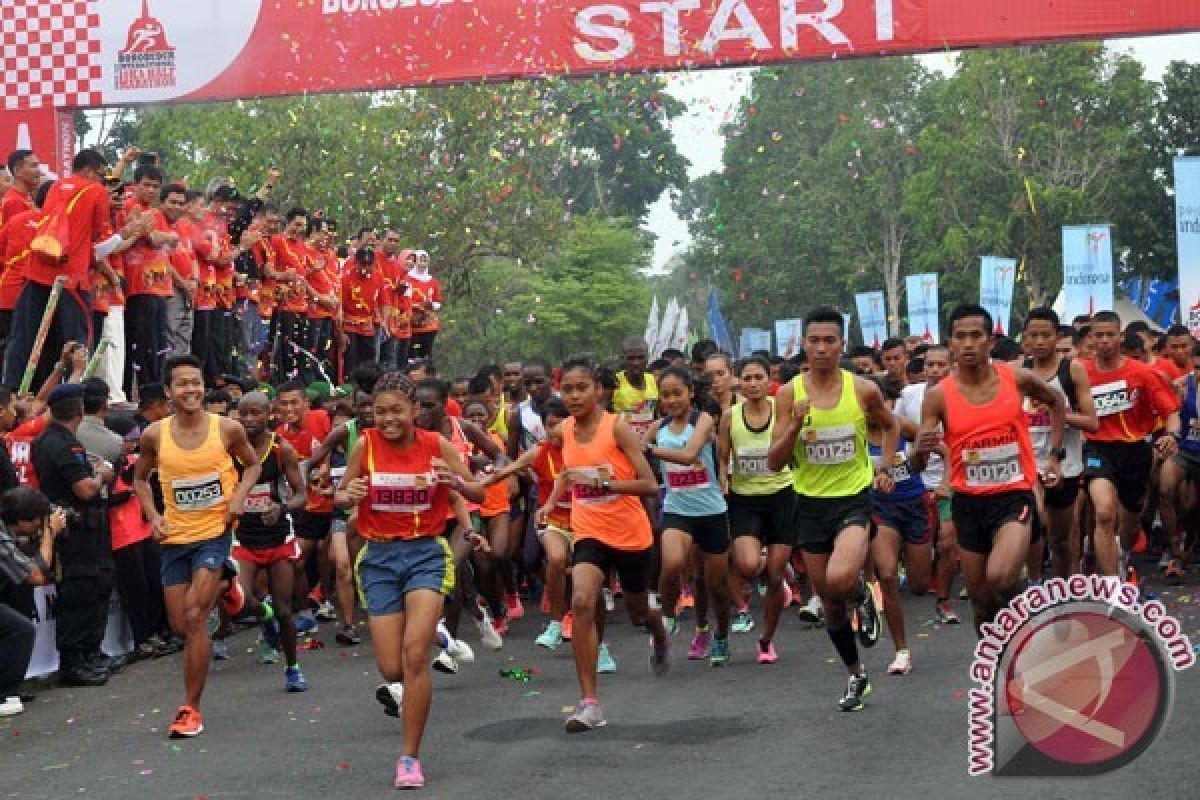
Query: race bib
{"type": "Point", "coordinates": [1193, 431]}
{"type": "Point", "coordinates": [1113, 398]}
{"type": "Point", "coordinates": [992, 466]}
{"type": "Point", "coordinates": [899, 469]}
{"type": "Point", "coordinates": [830, 446]}
{"type": "Point", "coordinates": [640, 421]}
{"type": "Point", "coordinates": [593, 495]}
{"type": "Point", "coordinates": [751, 461]}
{"type": "Point", "coordinates": [258, 501]}
{"type": "Point", "coordinates": [401, 493]}
{"type": "Point", "coordinates": [336, 474]}
{"type": "Point", "coordinates": [197, 494]}
{"type": "Point", "coordinates": [682, 478]}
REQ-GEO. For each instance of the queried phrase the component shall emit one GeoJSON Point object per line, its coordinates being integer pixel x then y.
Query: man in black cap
{"type": "Point", "coordinates": [69, 479]}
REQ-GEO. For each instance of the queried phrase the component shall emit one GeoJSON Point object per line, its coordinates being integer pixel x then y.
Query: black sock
{"type": "Point", "coordinates": [843, 642]}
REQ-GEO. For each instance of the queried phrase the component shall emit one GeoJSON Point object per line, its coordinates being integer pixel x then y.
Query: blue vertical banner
{"type": "Point", "coordinates": [717, 328]}
{"type": "Point", "coordinates": [997, 277]}
{"type": "Point", "coordinates": [872, 317]}
{"type": "Point", "coordinates": [753, 339]}
{"type": "Point", "coordinates": [1087, 270]}
{"type": "Point", "coordinates": [922, 293]}
{"type": "Point", "coordinates": [1187, 237]}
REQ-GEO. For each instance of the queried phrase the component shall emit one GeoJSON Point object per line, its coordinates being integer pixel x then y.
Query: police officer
{"type": "Point", "coordinates": [85, 575]}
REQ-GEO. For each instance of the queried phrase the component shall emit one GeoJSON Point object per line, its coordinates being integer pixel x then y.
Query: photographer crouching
{"type": "Point", "coordinates": [29, 528]}
{"type": "Point", "coordinates": [85, 564]}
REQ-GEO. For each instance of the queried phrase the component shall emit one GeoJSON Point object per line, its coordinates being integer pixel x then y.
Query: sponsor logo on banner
{"type": "Point", "coordinates": [161, 49]}
{"type": "Point", "coordinates": [1187, 237]}
{"type": "Point", "coordinates": [1087, 270]}
{"type": "Point", "coordinates": [872, 317]}
{"type": "Point", "coordinates": [753, 339]}
{"type": "Point", "coordinates": [922, 293]}
{"type": "Point", "coordinates": [1075, 677]}
{"type": "Point", "coordinates": [997, 279]}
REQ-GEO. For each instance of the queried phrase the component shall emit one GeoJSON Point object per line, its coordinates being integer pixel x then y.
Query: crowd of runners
{"type": "Point", "coordinates": [832, 480]}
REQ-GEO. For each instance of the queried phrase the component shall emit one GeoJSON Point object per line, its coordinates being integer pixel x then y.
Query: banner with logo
{"type": "Point", "coordinates": [1187, 239]}
{"type": "Point", "coordinates": [753, 339]}
{"type": "Point", "coordinates": [118, 638]}
{"type": "Point", "coordinates": [789, 337]}
{"type": "Point", "coordinates": [81, 53]}
{"type": "Point", "coordinates": [872, 317]}
{"type": "Point", "coordinates": [50, 134]}
{"type": "Point", "coordinates": [1087, 270]}
{"type": "Point", "coordinates": [922, 291]}
{"type": "Point", "coordinates": [997, 278]}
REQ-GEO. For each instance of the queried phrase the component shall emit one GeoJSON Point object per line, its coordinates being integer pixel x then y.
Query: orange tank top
{"type": "Point", "coordinates": [617, 520]}
{"type": "Point", "coordinates": [404, 499]}
{"type": "Point", "coordinates": [196, 484]}
{"type": "Point", "coordinates": [990, 448]}
{"type": "Point", "coordinates": [495, 497]}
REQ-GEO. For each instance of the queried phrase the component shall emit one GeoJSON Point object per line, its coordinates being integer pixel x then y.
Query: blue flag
{"type": "Point", "coordinates": [716, 324]}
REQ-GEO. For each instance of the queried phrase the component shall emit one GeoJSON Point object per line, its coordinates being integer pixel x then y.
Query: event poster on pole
{"type": "Point", "coordinates": [789, 337]}
{"type": "Point", "coordinates": [872, 317]}
{"type": "Point", "coordinates": [997, 278]}
{"type": "Point", "coordinates": [753, 339]}
{"type": "Point", "coordinates": [923, 305]}
{"type": "Point", "coordinates": [1087, 270]}
{"type": "Point", "coordinates": [1187, 238]}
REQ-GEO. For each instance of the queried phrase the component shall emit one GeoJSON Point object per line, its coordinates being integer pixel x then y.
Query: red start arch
{"type": "Point", "coordinates": [69, 54]}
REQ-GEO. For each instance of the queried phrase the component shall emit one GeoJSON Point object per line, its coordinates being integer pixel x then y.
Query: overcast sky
{"type": "Point", "coordinates": [712, 97]}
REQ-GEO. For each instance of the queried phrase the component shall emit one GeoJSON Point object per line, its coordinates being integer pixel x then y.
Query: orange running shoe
{"type": "Point", "coordinates": [188, 723]}
{"type": "Point", "coordinates": [234, 599]}
{"type": "Point", "coordinates": [1140, 545]}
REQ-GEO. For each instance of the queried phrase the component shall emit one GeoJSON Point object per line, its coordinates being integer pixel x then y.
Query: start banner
{"type": "Point", "coordinates": [80, 53]}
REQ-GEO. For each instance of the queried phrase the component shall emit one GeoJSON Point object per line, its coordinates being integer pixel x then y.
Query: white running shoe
{"type": "Point", "coordinates": [652, 601]}
{"type": "Point", "coordinates": [487, 631]}
{"type": "Point", "coordinates": [460, 651]}
{"type": "Point", "coordinates": [812, 612]}
{"type": "Point", "coordinates": [610, 602]}
{"type": "Point", "coordinates": [445, 663]}
{"type": "Point", "coordinates": [11, 707]}
{"type": "Point", "coordinates": [391, 697]}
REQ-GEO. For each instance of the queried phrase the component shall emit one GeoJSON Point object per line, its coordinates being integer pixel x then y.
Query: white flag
{"type": "Point", "coordinates": [679, 340]}
{"type": "Point", "coordinates": [651, 335]}
{"type": "Point", "coordinates": [666, 328]}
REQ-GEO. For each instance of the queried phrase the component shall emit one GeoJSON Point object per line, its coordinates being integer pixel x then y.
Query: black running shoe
{"type": "Point", "coordinates": [870, 625]}
{"type": "Point", "coordinates": [858, 688]}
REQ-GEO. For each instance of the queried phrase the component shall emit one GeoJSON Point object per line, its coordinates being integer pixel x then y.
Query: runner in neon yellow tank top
{"type": "Point", "coordinates": [762, 501]}
{"type": "Point", "coordinates": [636, 396]}
{"type": "Point", "coordinates": [822, 428]}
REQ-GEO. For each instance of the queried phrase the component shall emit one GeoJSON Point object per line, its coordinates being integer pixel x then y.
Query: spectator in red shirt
{"type": "Point", "coordinates": [362, 292]}
{"type": "Point", "coordinates": [16, 233]}
{"type": "Point", "coordinates": [426, 297]}
{"type": "Point", "coordinates": [148, 280]}
{"type": "Point", "coordinates": [322, 279]}
{"type": "Point", "coordinates": [291, 317]}
{"type": "Point", "coordinates": [396, 335]}
{"type": "Point", "coordinates": [181, 269]}
{"type": "Point", "coordinates": [26, 173]}
{"type": "Point", "coordinates": [91, 237]}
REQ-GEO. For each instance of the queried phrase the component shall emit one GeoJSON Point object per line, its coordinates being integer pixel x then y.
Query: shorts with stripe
{"type": "Point", "coordinates": [387, 571]}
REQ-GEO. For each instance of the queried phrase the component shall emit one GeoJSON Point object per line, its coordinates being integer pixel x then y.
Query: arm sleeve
{"type": "Point", "coordinates": [105, 249]}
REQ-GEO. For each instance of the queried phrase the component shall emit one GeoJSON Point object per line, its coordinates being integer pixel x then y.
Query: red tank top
{"type": "Point", "coordinates": [990, 449]}
{"type": "Point", "coordinates": [548, 465]}
{"type": "Point", "coordinates": [459, 440]}
{"type": "Point", "coordinates": [404, 499]}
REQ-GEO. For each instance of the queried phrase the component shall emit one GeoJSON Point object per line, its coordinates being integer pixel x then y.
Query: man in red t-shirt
{"type": "Point", "coordinates": [393, 266]}
{"type": "Point", "coordinates": [182, 270]}
{"type": "Point", "coordinates": [90, 236]}
{"type": "Point", "coordinates": [290, 271]}
{"type": "Point", "coordinates": [16, 234]}
{"type": "Point", "coordinates": [362, 293]}
{"type": "Point", "coordinates": [148, 284]}
{"type": "Point", "coordinates": [26, 173]}
{"type": "Point", "coordinates": [1130, 398]}
{"type": "Point", "coordinates": [321, 276]}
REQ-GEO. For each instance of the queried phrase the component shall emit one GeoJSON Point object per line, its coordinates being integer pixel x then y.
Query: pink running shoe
{"type": "Point", "coordinates": [515, 608]}
{"type": "Point", "coordinates": [408, 773]}
{"type": "Point", "coordinates": [766, 652]}
{"type": "Point", "coordinates": [699, 647]}
{"type": "Point", "coordinates": [787, 595]}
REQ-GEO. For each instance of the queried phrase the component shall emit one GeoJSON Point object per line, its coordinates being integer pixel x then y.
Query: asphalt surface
{"type": "Point", "coordinates": [740, 731]}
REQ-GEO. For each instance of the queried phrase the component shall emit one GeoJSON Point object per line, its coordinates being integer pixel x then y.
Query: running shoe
{"type": "Point", "coordinates": [552, 637]}
{"type": "Point", "coordinates": [188, 723]}
{"type": "Point", "coordinates": [944, 613]}
{"type": "Point", "coordinates": [270, 632]}
{"type": "Point", "coordinates": [787, 595]}
{"type": "Point", "coordinates": [870, 624]}
{"type": "Point", "coordinates": [501, 626]}
{"type": "Point", "coordinates": [660, 657]}
{"type": "Point", "coordinates": [605, 663]}
{"type": "Point", "coordinates": [326, 612]}
{"type": "Point", "coordinates": [445, 663]}
{"type": "Point", "coordinates": [316, 596]}
{"type": "Point", "coordinates": [587, 716]}
{"type": "Point", "coordinates": [347, 636]}
{"type": "Point", "coordinates": [487, 631]}
{"type": "Point", "coordinates": [391, 697]}
{"type": "Point", "coordinates": [515, 609]}
{"type": "Point", "coordinates": [671, 624]}
{"type": "Point", "coordinates": [610, 602]}
{"type": "Point", "coordinates": [234, 599]}
{"type": "Point", "coordinates": [1174, 572]}
{"type": "Point", "coordinates": [699, 648]}
{"type": "Point", "coordinates": [686, 599]}
{"type": "Point", "coordinates": [653, 602]}
{"type": "Point", "coordinates": [718, 653]}
{"type": "Point", "coordinates": [812, 612]}
{"type": "Point", "coordinates": [743, 622]}
{"type": "Point", "coordinates": [457, 649]}
{"type": "Point", "coordinates": [408, 773]}
{"type": "Point", "coordinates": [306, 625]}
{"type": "Point", "coordinates": [266, 653]}
{"type": "Point", "coordinates": [11, 706]}
{"type": "Point", "coordinates": [294, 680]}
{"type": "Point", "coordinates": [901, 664]}
{"type": "Point", "coordinates": [858, 688]}
{"type": "Point", "coordinates": [220, 650]}
{"type": "Point", "coordinates": [568, 625]}
{"type": "Point", "coordinates": [766, 652]}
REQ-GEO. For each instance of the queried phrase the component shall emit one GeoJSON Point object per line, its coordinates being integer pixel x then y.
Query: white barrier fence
{"type": "Point", "coordinates": [118, 638]}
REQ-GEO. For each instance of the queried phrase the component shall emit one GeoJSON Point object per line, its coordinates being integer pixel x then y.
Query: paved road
{"type": "Point", "coordinates": [739, 732]}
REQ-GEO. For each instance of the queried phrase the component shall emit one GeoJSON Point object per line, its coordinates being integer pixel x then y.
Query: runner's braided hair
{"type": "Point", "coordinates": [396, 382]}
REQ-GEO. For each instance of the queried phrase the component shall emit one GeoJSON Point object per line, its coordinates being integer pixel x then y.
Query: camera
{"type": "Point", "coordinates": [73, 517]}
